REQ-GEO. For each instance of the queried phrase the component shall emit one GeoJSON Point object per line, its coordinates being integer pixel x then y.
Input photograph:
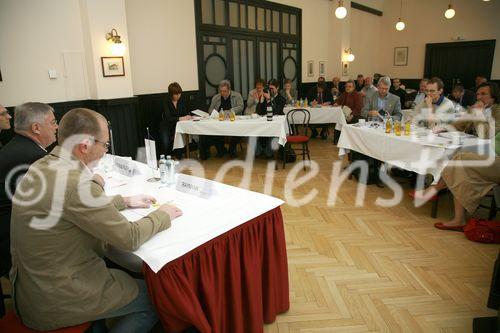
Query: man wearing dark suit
{"type": "Point", "coordinates": [360, 82]}
{"type": "Point", "coordinates": [35, 127]}
{"type": "Point", "coordinates": [399, 91]}
{"type": "Point", "coordinates": [320, 95]}
{"type": "Point", "coordinates": [462, 96]}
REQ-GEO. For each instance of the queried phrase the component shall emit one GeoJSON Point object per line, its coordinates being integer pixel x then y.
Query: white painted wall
{"type": "Point", "coordinates": [474, 20]}
{"type": "Point", "coordinates": [162, 44]}
{"type": "Point", "coordinates": [101, 17]}
{"type": "Point", "coordinates": [365, 43]}
{"type": "Point", "coordinates": [33, 35]}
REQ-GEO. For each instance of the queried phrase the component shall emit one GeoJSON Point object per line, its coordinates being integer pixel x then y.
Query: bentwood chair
{"type": "Point", "coordinates": [298, 125]}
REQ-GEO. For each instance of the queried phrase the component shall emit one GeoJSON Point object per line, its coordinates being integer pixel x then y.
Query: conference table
{"type": "Point", "coordinates": [422, 151]}
{"type": "Point", "coordinates": [323, 115]}
{"type": "Point", "coordinates": [245, 126]}
{"type": "Point", "coordinates": [222, 265]}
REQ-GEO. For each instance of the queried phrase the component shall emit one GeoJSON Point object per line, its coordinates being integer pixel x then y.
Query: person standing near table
{"type": "Point", "coordinates": [227, 100]}
{"type": "Point", "coordinates": [288, 92]}
{"type": "Point", "coordinates": [383, 103]}
{"type": "Point", "coordinates": [435, 109]}
{"type": "Point", "coordinates": [58, 275]}
{"type": "Point", "coordinates": [174, 110]}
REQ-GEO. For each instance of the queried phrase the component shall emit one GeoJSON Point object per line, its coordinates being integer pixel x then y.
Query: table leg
{"type": "Point", "coordinates": [188, 152]}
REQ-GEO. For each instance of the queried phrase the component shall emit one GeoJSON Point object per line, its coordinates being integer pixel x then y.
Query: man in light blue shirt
{"type": "Point", "coordinates": [421, 92]}
{"type": "Point", "coordinates": [383, 102]}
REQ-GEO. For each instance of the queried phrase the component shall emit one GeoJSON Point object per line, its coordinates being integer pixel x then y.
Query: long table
{"type": "Point", "coordinates": [221, 266]}
{"type": "Point", "coordinates": [423, 153]}
{"type": "Point", "coordinates": [323, 115]}
{"type": "Point", "coordinates": [242, 126]}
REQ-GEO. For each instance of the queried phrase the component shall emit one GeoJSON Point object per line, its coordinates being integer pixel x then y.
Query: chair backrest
{"type": "Point", "coordinates": [298, 121]}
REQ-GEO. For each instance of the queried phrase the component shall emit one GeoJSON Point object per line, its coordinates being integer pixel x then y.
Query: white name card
{"type": "Point", "coordinates": [125, 166]}
{"type": "Point", "coordinates": [195, 186]}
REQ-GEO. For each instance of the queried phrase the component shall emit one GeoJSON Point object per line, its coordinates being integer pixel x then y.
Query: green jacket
{"type": "Point", "coordinates": [58, 274]}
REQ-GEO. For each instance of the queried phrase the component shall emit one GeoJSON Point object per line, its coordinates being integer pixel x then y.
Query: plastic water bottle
{"type": "Point", "coordinates": [163, 169]}
{"type": "Point", "coordinates": [170, 170]}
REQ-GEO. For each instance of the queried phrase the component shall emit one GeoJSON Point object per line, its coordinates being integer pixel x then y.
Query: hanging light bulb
{"type": "Point", "coordinates": [400, 25]}
{"type": "Point", "coordinates": [450, 12]}
{"type": "Point", "coordinates": [341, 11]}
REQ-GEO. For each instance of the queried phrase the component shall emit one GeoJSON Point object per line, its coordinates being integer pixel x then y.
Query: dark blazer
{"type": "Point", "coordinates": [171, 114]}
{"type": "Point", "coordinates": [401, 93]}
{"type": "Point", "coordinates": [468, 99]}
{"type": "Point", "coordinates": [278, 104]}
{"type": "Point", "coordinates": [19, 151]}
{"type": "Point", "coordinates": [313, 95]}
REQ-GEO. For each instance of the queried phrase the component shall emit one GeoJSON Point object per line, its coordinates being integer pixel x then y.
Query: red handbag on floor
{"type": "Point", "coordinates": [483, 231]}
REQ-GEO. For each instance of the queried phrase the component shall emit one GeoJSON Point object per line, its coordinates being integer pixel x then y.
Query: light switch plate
{"type": "Point", "coordinates": [52, 74]}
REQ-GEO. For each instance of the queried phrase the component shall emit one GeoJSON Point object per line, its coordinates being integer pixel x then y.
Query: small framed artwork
{"type": "Point", "coordinates": [310, 68]}
{"type": "Point", "coordinates": [112, 66]}
{"type": "Point", "coordinates": [345, 68]}
{"type": "Point", "coordinates": [401, 56]}
{"type": "Point", "coordinates": [322, 68]}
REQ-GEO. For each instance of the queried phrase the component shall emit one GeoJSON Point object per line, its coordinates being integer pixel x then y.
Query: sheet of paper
{"type": "Point", "coordinates": [200, 113]}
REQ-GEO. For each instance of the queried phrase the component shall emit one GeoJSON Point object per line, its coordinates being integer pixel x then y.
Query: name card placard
{"type": "Point", "coordinates": [125, 166]}
{"type": "Point", "coordinates": [195, 186]}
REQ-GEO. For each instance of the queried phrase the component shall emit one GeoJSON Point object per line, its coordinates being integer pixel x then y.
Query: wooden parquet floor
{"type": "Point", "coordinates": [372, 269]}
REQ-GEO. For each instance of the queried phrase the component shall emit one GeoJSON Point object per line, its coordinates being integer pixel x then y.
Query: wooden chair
{"type": "Point", "coordinates": [298, 124]}
{"type": "Point", "coordinates": [12, 323]}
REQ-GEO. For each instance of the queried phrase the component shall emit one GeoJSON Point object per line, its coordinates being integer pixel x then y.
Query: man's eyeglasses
{"type": "Point", "coordinates": [4, 113]}
{"type": "Point", "coordinates": [106, 145]}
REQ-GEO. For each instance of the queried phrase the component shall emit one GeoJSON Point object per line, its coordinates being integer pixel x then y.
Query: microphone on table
{"type": "Point", "coordinates": [111, 138]}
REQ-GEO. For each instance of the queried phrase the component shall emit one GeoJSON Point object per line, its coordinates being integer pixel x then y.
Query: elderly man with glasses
{"type": "Point", "coordinates": [58, 273]}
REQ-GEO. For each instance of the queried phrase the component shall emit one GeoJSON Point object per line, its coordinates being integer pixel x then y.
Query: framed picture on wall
{"type": "Point", "coordinates": [401, 56]}
{"type": "Point", "coordinates": [112, 66]}
{"type": "Point", "coordinates": [322, 68]}
{"type": "Point", "coordinates": [345, 68]}
{"type": "Point", "coordinates": [310, 68]}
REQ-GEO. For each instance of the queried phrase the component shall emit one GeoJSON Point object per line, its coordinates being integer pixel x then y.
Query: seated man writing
{"type": "Point", "coordinates": [61, 222]}
{"type": "Point", "coordinates": [382, 103]}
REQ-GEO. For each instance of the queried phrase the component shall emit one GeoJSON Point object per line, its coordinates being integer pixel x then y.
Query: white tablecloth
{"type": "Point", "coordinates": [423, 155]}
{"type": "Point", "coordinates": [242, 126]}
{"type": "Point", "coordinates": [323, 115]}
{"type": "Point", "coordinates": [202, 219]}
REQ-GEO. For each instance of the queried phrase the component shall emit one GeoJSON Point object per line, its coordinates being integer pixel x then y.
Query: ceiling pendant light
{"type": "Point", "coordinates": [450, 12]}
{"type": "Point", "coordinates": [341, 11]}
{"type": "Point", "coordinates": [400, 25]}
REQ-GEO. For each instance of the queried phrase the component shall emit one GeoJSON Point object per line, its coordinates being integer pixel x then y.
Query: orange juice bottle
{"type": "Point", "coordinates": [388, 126]}
{"type": "Point", "coordinates": [232, 116]}
{"type": "Point", "coordinates": [221, 115]}
{"type": "Point", "coordinates": [408, 128]}
{"type": "Point", "coordinates": [397, 128]}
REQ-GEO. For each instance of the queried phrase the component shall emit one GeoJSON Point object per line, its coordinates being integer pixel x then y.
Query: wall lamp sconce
{"type": "Point", "coordinates": [341, 11]}
{"type": "Point", "coordinates": [117, 47]}
{"type": "Point", "coordinates": [349, 56]}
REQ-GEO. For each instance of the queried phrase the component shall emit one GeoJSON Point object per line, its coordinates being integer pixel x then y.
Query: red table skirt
{"type": "Point", "coordinates": [233, 283]}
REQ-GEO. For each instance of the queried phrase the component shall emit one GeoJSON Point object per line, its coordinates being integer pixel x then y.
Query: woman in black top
{"type": "Point", "coordinates": [174, 109]}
